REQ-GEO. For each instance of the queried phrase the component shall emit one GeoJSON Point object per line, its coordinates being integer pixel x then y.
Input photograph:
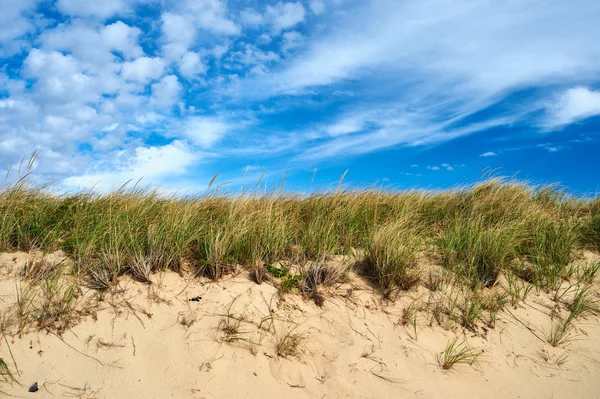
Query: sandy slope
{"type": "Point", "coordinates": [352, 347]}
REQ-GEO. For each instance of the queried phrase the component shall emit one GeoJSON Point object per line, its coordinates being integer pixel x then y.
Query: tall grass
{"type": "Point", "coordinates": [392, 256]}
{"type": "Point", "coordinates": [477, 233]}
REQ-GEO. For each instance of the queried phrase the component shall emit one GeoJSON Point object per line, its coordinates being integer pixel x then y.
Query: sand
{"type": "Point", "coordinates": [151, 341]}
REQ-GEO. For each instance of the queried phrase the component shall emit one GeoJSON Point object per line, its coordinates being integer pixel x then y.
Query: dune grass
{"type": "Point", "coordinates": [477, 234]}
{"type": "Point", "coordinates": [457, 353]}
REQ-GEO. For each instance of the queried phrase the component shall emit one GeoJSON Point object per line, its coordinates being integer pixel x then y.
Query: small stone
{"type": "Point", "coordinates": [34, 387]}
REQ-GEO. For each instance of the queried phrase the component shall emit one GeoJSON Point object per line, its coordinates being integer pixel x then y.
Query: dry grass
{"type": "Point", "coordinates": [288, 342]}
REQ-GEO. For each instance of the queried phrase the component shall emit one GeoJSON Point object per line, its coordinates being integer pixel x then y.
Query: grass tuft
{"type": "Point", "coordinates": [392, 257]}
{"type": "Point", "coordinates": [457, 353]}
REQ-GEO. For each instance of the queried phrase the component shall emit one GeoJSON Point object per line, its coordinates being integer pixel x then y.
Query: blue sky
{"type": "Point", "coordinates": [427, 94]}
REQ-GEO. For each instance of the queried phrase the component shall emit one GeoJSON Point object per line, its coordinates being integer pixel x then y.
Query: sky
{"type": "Point", "coordinates": [399, 93]}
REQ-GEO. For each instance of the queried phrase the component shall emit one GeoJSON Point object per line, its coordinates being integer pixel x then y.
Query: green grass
{"type": "Point", "coordinates": [457, 353]}
{"type": "Point", "coordinates": [478, 252]}
{"type": "Point", "coordinates": [476, 233]}
{"type": "Point", "coordinates": [392, 256]}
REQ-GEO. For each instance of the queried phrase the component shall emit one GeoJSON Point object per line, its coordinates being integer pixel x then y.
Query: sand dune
{"type": "Point", "coordinates": [239, 339]}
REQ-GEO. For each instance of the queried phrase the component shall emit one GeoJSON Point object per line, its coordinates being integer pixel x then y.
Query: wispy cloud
{"type": "Point", "coordinates": [101, 87]}
{"type": "Point", "coordinates": [489, 154]}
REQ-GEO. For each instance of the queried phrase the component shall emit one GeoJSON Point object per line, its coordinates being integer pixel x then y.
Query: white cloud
{"type": "Point", "coordinates": [573, 105]}
{"type": "Point", "coordinates": [204, 131]}
{"type": "Point", "coordinates": [59, 77]}
{"type": "Point", "coordinates": [179, 33]}
{"type": "Point", "coordinates": [285, 15]}
{"type": "Point", "coordinates": [123, 38]}
{"type": "Point", "coordinates": [264, 39]}
{"type": "Point", "coordinates": [551, 147]}
{"type": "Point", "coordinates": [191, 65]}
{"type": "Point", "coordinates": [93, 45]}
{"type": "Point", "coordinates": [346, 125]}
{"type": "Point", "coordinates": [152, 164]}
{"type": "Point", "coordinates": [317, 6]}
{"type": "Point", "coordinates": [251, 17]}
{"type": "Point", "coordinates": [14, 24]}
{"type": "Point", "coordinates": [211, 15]}
{"type": "Point", "coordinates": [433, 167]}
{"type": "Point", "coordinates": [88, 8]}
{"type": "Point", "coordinates": [292, 40]}
{"type": "Point", "coordinates": [391, 128]}
{"type": "Point", "coordinates": [414, 165]}
{"type": "Point", "coordinates": [143, 69]}
{"type": "Point", "coordinates": [166, 92]}
{"type": "Point", "coordinates": [180, 27]}
{"type": "Point", "coordinates": [251, 55]}
{"type": "Point", "coordinates": [489, 154]}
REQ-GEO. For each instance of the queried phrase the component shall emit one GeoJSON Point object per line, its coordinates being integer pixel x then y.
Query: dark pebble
{"type": "Point", "coordinates": [34, 387]}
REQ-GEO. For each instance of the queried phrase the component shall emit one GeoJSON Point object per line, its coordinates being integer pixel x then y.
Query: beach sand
{"type": "Point", "coordinates": [243, 340]}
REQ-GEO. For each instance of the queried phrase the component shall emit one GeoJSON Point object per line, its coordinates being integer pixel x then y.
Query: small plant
{"type": "Point", "coordinates": [230, 324]}
{"type": "Point", "coordinates": [290, 283]}
{"type": "Point", "coordinates": [230, 327]}
{"type": "Point", "coordinates": [318, 275]}
{"type": "Point", "coordinates": [141, 268]}
{"type": "Point", "coordinates": [587, 273]}
{"type": "Point", "coordinates": [277, 271]}
{"type": "Point", "coordinates": [457, 353]}
{"type": "Point", "coordinates": [287, 343]}
{"type": "Point", "coordinates": [321, 274]}
{"type": "Point", "coordinates": [26, 295]}
{"type": "Point", "coordinates": [493, 303]}
{"type": "Point", "coordinates": [471, 310]}
{"type": "Point", "coordinates": [56, 303]}
{"type": "Point", "coordinates": [409, 313]}
{"type": "Point", "coordinates": [100, 279]}
{"type": "Point", "coordinates": [583, 303]}
{"type": "Point", "coordinates": [562, 332]}
{"type": "Point", "coordinates": [517, 290]}
{"type": "Point", "coordinates": [187, 319]}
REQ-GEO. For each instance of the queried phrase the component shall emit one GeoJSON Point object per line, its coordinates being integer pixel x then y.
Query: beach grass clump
{"type": "Point", "coordinates": [548, 248]}
{"type": "Point", "coordinates": [584, 303]}
{"type": "Point", "coordinates": [590, 230]}
{"type": "Point", "coordinates": [458, 353]}
{"type": "Point", "coordinates": [561, 332]}
{"type": "Point", "coordinates": [392, 256]}
{"type": "Point", "coordinates": [476, 251]}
